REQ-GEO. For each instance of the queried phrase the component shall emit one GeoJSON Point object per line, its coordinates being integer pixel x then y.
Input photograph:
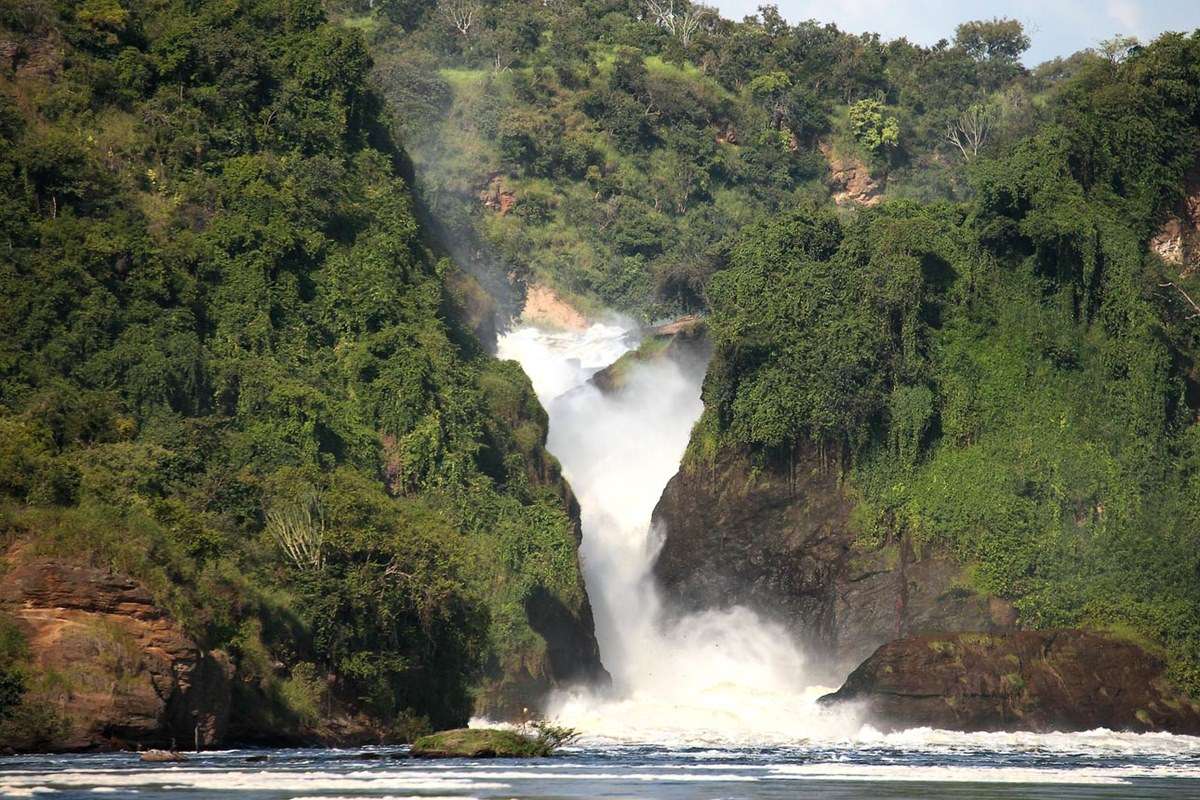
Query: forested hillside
{"type": "Point", "coordinates": [607, 147]}
{"type": "Point", "coordinates": [1013, 378]}
{"type": "Point", "coordinates": [230, 370]}
{"type": "Point", "coordinates": [243, 411]}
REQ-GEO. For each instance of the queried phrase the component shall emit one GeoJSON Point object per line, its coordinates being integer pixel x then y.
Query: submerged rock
{"type": "Point", "coordinates": [478, 743]}
{"type": "Point", "coordinates": [1064, 680]}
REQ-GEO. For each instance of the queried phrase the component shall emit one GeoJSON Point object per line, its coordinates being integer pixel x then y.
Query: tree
{"type": "Point", "coordinates": [871, 128]}
{"type": "Point", "coordinates": [682, 23]}
{"type": "Point", "coordinates": [998, 40]}
{"type": "Point", "coordinates": [460, 14]}
{"type": "Point", "coordinates": [298, 527]}
{"type": "Point", "coordinates": [1119, 48]}
{"type": "Point", "coordinates": [969, 130]}
{"type": "Point", "coordinates": [771, 91]}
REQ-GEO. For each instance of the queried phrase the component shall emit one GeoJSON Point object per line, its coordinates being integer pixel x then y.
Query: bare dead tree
{"type": "Point", "coordinates": [298, 527]}
{"type": "Point", "coordinates": [504, 60]}
{"type": "Point", "coordinates": [459, 13]}
{"type": "Point", "coordinates": [969, 131]}
{"type": "Point", "coordinates": [682, 23]}
{"type": "Point", "coordinates": [691, 22]}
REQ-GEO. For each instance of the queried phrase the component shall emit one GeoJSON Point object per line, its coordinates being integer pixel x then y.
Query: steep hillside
{"type": "Point", "coordinates": [608, 147]}
{"type": "Point", "coordinates": [254, 476]}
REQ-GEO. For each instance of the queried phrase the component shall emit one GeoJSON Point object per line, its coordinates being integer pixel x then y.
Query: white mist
{"type": "Point", "coordinates": [718, 676]}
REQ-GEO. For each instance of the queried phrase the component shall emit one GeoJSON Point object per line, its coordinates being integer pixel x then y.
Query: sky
{"type": "Point", "coordinates": [1057, 27]}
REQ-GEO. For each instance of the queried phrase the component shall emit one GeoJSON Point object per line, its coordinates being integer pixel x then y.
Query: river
{"type": "Point", "coordinates": [711, 705]}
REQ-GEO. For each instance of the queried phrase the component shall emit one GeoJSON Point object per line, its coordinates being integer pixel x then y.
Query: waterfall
{"type": "Point", "coordinates": [717, 676]}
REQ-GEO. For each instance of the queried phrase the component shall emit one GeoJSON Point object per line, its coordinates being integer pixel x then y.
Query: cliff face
{"type": "Point", "coordinates": [1177, 241]}
{"type": "Point", "coordinates": [1031, 680]}
{"type": "Point", "coordinates": [567, 656]}
{"type": "Point", "coordinates": [781, 543]}
{"type": "Point", "coordinates": [114, 670]}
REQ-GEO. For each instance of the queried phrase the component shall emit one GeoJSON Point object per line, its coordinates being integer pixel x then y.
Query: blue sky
{"type": "Point", "coordinates": [1057, 27]}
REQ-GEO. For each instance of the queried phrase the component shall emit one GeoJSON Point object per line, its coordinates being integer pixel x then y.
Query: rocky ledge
{"type": "Point", "coordinates": [684, 341]}
{"type": "Point", "coordinates": [1066, 680]}
{"type": "Point", "coordinates": [115, 669]}
{"type": "Point", "coordinates": [779, 540]}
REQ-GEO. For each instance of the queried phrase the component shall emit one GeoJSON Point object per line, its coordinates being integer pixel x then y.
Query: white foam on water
{"type": "Point", "coordinates": [1098, 742]}
{"type": "Point", "coordinates": [256, 780]}
{"type": "Point", "coordinates": [943, 774]}
{"type": "Point", "coordinates": [7, 790]}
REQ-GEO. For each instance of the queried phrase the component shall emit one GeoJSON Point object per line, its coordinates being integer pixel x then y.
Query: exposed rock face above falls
{"type": "Point", "coordinates": [781, 543]}
{"type": "Point", "coordinates": [1066, 680]}
{"type": "Point", "coordinates": [120, 671]}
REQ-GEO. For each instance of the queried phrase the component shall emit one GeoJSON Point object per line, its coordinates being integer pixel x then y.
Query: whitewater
{"type": "Point", "coordinates": [711, 705]}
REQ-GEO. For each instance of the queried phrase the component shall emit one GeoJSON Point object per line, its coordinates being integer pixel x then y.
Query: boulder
{"type": "Point", "coordinates": [1061, 680]}
{"type": "Point", "coordinates": [850, 180]}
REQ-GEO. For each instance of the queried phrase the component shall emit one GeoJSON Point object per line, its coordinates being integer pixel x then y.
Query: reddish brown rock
{"type": "Point", "coordinates": [116, 669]}
{"type": "Point", "coordinates": [497, 196]}
{"type": "Point", "coordinates": [545, 308]}
{"type": "Point", "coordinates": [1066, 680]}
{"type": "Point", "coordinates": [850, 180]}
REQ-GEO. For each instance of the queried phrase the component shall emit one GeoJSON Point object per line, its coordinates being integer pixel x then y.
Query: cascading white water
{"type": "Point", "coordinates": [714, 676]}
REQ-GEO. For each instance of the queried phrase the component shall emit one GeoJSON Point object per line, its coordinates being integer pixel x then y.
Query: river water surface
{"type": "Point", "coordinates": [714, 705]}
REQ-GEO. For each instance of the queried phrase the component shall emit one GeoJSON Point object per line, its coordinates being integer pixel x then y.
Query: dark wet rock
{"type": "Point", "coordinates": [779, 540]}
{"type": "Point", "coordinates": [1063, 680]}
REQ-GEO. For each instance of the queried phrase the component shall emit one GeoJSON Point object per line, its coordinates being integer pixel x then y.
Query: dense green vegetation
{"type": "Point", "coordinates": [633, 143]}
{"type": "Point", "coordinates": [1013, 378]}
{"type": "Point", "coordinates": [231, 363]}
{"type": "Point", "coordinates": [229, 366]}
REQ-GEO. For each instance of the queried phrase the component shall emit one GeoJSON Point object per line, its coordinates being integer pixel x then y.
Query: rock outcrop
{"type": "Point", "coordinates": [497, 196]}
{"type": "Point", "coordinates": [850, 180]}
{"type": "Point", "coordinates": [115, 668]}
{"type": "Point", "coordinates": [479, 743]}
{"type": "Point", "coordinates": [545, 308]}
{"type": "Point", "coordinates": [780, 542]}
{"type": "Point", "coordinates": [684, 341]}
{"type": "Point", "coordinates": [1066, 680]}
{"type": "Point", "coordinates": [1178, 240]}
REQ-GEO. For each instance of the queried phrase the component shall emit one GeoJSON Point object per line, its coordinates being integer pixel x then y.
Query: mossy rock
{"type": "Point", "coordinates": [478, 743]}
